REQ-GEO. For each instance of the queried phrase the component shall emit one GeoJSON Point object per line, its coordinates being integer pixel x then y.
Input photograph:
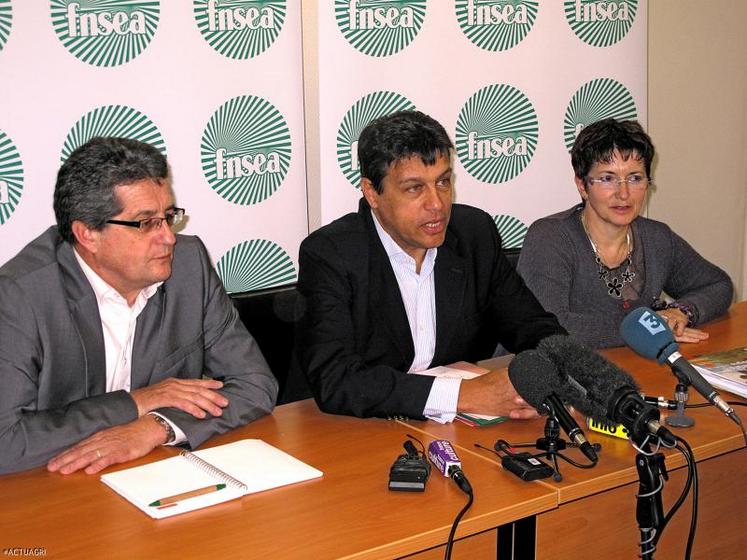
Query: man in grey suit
{"type": "Point", "coordinates": [116, 335]}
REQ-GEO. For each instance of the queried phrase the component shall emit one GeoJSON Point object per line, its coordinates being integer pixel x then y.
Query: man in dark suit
{"type": "Point", "coordinates": [116, 335]}
{"type": "Point", "coordinates": [411, 281]}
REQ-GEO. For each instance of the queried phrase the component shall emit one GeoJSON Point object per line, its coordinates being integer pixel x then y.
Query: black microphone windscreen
{"type": "Point", "coordinates": [533, 377]}
{"type": "Point", "coordinates": [647, 334]}
{"type": "Point", "coordinates": [579, 365]}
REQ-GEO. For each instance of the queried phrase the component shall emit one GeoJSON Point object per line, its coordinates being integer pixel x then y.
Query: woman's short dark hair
{"type": "Point", "coordinates": [599, 141]}
{"type": "Point", "coordinates": [399, 136]}
{"type": "Point", "coordinates": [85, 184]}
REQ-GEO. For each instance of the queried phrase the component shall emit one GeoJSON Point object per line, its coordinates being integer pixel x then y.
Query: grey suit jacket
{"type": "Point", "coordinates": [52, 363]}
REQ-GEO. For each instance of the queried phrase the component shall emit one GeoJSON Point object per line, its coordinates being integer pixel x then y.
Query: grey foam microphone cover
{"type": "Point", "coordinates": [580, 366]}
{"type": "Point", "coordinates": [533, 377]}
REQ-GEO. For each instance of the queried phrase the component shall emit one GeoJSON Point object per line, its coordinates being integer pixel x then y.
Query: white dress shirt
{"type": "Point", "coordinates": [419, 297]}
{"type": "Point", "coordinates": [118, 322]}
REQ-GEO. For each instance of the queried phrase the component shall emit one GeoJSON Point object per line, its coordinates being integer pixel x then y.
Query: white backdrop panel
{"type": "Point", "coordinates": [178, 81]}
{"type": "Point", "coordinates": [440, 69]}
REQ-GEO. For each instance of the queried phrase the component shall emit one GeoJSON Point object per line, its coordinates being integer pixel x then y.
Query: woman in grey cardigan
{"type": "Point", "coordinates": [593, 263]}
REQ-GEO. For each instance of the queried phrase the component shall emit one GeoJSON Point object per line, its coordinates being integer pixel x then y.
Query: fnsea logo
{"type": "Point", "coordinates": [496, 133]}
{"type": "Point", "coordinates": [246, 150]}
{"type": "Point", "coordinates": [600, 23]}
{"type": "Point", "coordinates": [11, 178]}
{"type": "Point", "coordinates": [112, 120]}
{"type": "Point", "coordinates": [363, 111]}
{"type": "Point", "coordinates": [105, 32]}
{"type": "Point", "coordinates": [255, 264]}
{"type": "Point", "coordinates": [496, 25]}
{"type": "Point", "coordinates": [380, 27]}
{"type": "Point", "coordinates": [512, 231]}
{"type": "Point", "coordinates": [596, 100]}
{"type": "Point", "coordinates": [240, 29]}
{"type": "Point", "coordinates": [6, 19]}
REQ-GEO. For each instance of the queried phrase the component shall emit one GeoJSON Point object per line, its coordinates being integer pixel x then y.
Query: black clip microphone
{"type": "Point", "coordinates": [570, 426]}
{"type": "Point", "coordinates": [410, 471]}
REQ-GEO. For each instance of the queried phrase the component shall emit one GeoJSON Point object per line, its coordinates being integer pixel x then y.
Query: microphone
{"type": "Point", "coordinates": [536, 380]}
{"type": "Point", "coordinates": [648, 334]}
{"type": "Point", "coordinates": [442, 455]}
{"type": "Point", "coordinates": [600, 389]}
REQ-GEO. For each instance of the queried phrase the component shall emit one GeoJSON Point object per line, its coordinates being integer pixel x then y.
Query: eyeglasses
{"type": "Point", "coordinates": [149, 225]}
{"type": "Point", "coordinates": [635, 182]}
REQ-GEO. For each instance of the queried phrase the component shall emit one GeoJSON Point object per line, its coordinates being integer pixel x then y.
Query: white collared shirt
{"type": "Point", "coordinates": [118, 323]}
{"type": "Point", "coordinates": [419, 297]}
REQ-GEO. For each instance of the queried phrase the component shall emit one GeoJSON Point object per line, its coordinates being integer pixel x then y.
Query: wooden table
{"type": "Point", "coordinates": [596, 513]}
{"type": "Point", "coordinates": [349, 513]}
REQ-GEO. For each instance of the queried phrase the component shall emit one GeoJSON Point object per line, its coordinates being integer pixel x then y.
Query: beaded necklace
{"type": "Point", "coordinates": [613, 283]}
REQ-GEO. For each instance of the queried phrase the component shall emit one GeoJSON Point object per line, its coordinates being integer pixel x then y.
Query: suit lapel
{"type": "Point", "coordinates": [390, 308]}
{"type": "Point", "coordinates": [147, 331]}
{"type": "Point", "coordinates": [450, 278]}
{"type": "Point", "coordinates": [385, 298]}
{"type": "Point", "coordinates": [84, 311]}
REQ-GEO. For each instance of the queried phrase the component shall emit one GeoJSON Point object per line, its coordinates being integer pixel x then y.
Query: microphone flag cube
{"type": "Point", "coordinates": [443, 456]}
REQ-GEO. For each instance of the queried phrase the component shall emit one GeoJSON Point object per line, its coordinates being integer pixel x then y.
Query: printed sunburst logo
{"type": "Point", "coordinates": [596, 100]}
{"type": "Point", "coordinates": [6, 19]}
{"type": "Point", "coordinates": [240, 29]}
{"type": "Point", "coordinates": [363, 111]}
{"type": "Point", "coordinates": [255, 264]}
{"type": "Point", "coordinates": [496, 133]}
{"type": "Point", "coordinates": [11, 178]}
{"type": "Point", "coordinates": [246, 150]}
{"type": "Point", "coordinates": [112, 120]}
{"type": "Point", "coordinates": [496, 25]}
{"type": "Point", "coordinates": [512, 231]}
{"type": "Point", "coordinates": [600, 23]}
{"type": "Point", "coordinates": [380, 27]}
{"type": "Point", "coordinates": [105, 32]}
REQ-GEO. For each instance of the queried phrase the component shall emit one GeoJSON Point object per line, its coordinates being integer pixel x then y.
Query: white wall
{"type": "Point", "coordinates": [697, 101]}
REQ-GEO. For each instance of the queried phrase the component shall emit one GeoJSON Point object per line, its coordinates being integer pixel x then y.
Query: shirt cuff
{"type": "Point", "coordinates": [441, 405]}
{"type": "Point", "coordinates": [178, 433]}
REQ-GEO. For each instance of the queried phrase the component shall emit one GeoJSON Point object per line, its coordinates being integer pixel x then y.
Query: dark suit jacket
{"type": "Point", "coordinates": [353, 341]}
{"type": "Point", "coordinates": [52, 364]}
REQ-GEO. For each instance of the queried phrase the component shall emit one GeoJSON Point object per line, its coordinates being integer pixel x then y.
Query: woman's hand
{"type": "Point", "coordinates": [677, 321]}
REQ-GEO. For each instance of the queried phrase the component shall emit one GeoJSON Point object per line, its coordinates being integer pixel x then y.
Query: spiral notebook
{"type": "Point", "coordinates": [218, 474]}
